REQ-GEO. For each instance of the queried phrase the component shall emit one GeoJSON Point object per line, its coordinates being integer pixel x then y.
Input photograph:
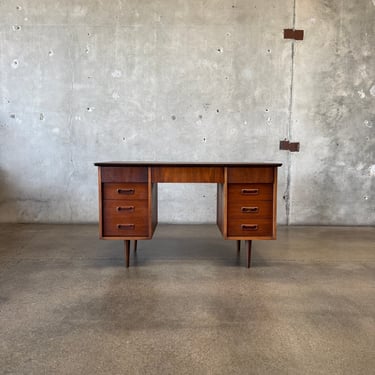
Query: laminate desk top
{"type": "Point", "coordinates": [185, 164]}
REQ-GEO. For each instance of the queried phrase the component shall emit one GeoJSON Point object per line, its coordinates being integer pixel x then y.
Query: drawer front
{"type": "Point", "coordinates": [125, 191]}
{"type": "Point", "coordinates": [188, 174]}
{"type": "Point", "coordinates": [254, 210]}
{"type": "Point", "coordinates": [242, 193]}
{"type": "Point", "coordinates": [124, 209]}
{"type": "Point", "coordinates": [250, 175]}
{"type": "Point", "coordinates": [250, 228]}
{"type": "Point", "coordinates": [125, 226]}
{"type": "Point", "coordinates": [121, 174]}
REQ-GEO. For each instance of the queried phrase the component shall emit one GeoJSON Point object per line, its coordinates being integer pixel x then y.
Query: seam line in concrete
{"type": "Point", "coordinates": [289, 129]}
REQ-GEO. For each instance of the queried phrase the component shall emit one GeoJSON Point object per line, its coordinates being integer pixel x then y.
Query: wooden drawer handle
{"type": "Point", "coordinates": [126, 208]}
{"type": "Point", "coordinates": [249, 226]}
{"type": "Point", "coordinates": [250, 191]}
{"type": "Point", "coordinates": [126, 191]}
{"type": "Point", "coordinates": [125, 226]}
{"type": "Point", "coordinates": [250, 210]}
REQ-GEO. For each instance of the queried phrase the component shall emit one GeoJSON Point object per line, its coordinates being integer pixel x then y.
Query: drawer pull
{"type": "Point", "coordinates": [250, 191]}
{"type": "Point", "coordinates": [250, 210]}
{"type": "Point", "coordinates": [126, 191]}
{"type": "Point", "coordinates": [249, 226]}
{"type": "Point", "coordinates": [126, 226]}
{"type": "Point", "coordinates": [126, 208]}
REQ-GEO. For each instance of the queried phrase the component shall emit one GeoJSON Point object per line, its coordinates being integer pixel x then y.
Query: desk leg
{"type": "Point", "coordinates": [238, 246]}
{"type": "Point", "coordinates": [127, 252]}
{"type": "Point", "coordinates": [135, 245]}
{"type": "Point", "coordinates": [248, 245]}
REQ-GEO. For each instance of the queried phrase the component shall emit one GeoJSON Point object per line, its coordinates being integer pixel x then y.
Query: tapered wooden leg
{"type": "Point", "coordinates": [135, 245]}
{"type": "Point", "coordinates": [238, 246]}
{"type": "Point", "coordinates": [248, 245]}
{"type": "Point", "coordinates": [127, 252]}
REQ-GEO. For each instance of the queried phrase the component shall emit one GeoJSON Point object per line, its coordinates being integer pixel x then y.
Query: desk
{"type": "Point", "coordinates": [128, 198]}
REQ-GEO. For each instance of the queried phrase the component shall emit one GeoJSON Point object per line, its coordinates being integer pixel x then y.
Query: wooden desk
{"type": "Point", "coordinates": [246, 198]}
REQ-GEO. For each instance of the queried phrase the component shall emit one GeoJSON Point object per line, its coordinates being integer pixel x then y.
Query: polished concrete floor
{"type": "Point", "coordinates": [187, 304]}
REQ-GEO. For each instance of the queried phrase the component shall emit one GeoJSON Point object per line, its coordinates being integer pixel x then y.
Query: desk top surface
{"type": "Point", "coordinates": [183, 164]}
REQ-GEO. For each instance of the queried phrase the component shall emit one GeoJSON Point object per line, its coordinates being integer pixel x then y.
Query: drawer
{"type": "Point", "coordinates": [250, 175]}
{"type": "Point", "coordinates": [188, 174]}
{"type": "Point", "coordinates": [125, 191]}
{"type": "Point", "coordinates": [242, 193]}
{"type": "Point", "coordinates": [250, 228]}
{"type": "Point", "coordinates": [125, 225]}
{"type": "Point", "coordinates": [124, 209]}
{"type": "Point", "coordinates": [254, 210]}
{"type": "Point", "coordinates": [124, 174]}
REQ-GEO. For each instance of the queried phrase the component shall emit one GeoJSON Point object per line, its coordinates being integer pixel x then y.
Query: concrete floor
{"type": "Point", "coordinates": [189, 306]}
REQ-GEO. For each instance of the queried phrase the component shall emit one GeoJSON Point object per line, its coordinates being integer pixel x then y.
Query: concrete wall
{"type": "Point", "coordinates": [186, 80]}
{"type": "Point", "coordinates": [333, 178]}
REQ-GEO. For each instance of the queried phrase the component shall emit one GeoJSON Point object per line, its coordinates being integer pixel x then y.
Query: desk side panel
{"type": "Point", "coordinates": [154, 207]}
{"type": "Point", "coordinates": [274, 203]}
{"type": "Point", "coordinates": [100, 196]}
{"type": "Point", "coordinates": [153, 203]}
{"type": "Point", "coordinates": [220, 208]}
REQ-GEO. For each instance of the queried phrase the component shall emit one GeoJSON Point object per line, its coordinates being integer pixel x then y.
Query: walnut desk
{"type": "Point", "coordinates": [246, 198]}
